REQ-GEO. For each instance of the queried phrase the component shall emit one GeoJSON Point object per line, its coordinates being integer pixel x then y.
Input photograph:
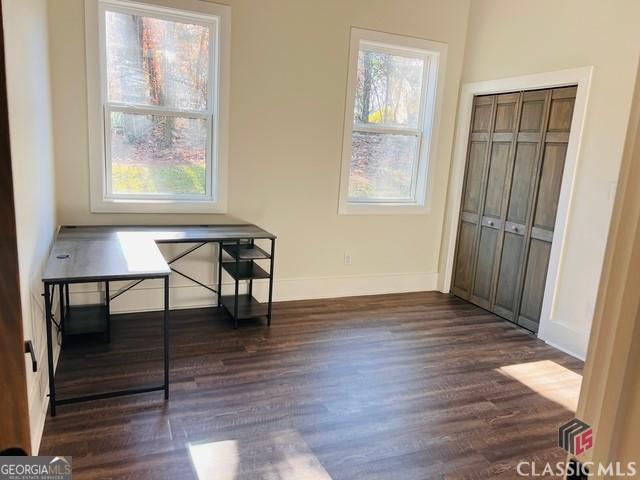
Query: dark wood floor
{"type": "Point", "coordinates": [393, 386]}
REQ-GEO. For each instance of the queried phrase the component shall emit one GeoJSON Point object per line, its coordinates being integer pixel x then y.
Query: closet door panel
{"type": "Point", "coordinates": [508, 274]}
{"type": "Point", "coordinates": [531, 118]}
{"type": "Point", "coordinates": [533, 290]}
{"type": "Point", "coordinates": [545, 204]}
{"type": "Point", "coordinates": [497, 179]}
{"type": "Point", "coordinates": [524, 171]}
{"type": "Point", "coordinates": [481, 294]}
{"type": "Point", "coordinates": [550, 182]}
{"type": "Point", "coordinates": [474, 187]}
{"type": "Point", "coordinates": [523, 181]}
{"type": "Point", "coordinates": [511, 261]}
{"type": "Point", "coordinates": [506, 113]}
{"type": "Point", "coordinates": [464, 266]}
{"type": "Point", "coordinates": [561, 112]}
{"type": "Point", "coordinates": [475, 174]}
{"type": "Point", "coordinates": [482, 114]}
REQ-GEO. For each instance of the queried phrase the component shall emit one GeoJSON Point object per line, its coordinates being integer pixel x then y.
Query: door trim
{"type": "Point", "coordinates": [560, 78]}
{"type": "Point", "coordinates": [15, 434]}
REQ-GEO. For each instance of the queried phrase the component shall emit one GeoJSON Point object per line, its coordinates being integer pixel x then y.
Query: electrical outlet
{"type": "Point", "coordinates": [347, 259]}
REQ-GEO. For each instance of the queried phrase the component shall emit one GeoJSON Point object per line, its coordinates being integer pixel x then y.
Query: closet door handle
{"type": "Point", "coordinates": [490, 223]}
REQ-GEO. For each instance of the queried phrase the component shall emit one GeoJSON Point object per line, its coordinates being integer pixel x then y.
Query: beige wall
{"type": "Point", "coordinates": [506, 39]}
{"type": "Point", "coordinates": [288, 80]}
{"type": "Point", "coordinates": [27, 62]}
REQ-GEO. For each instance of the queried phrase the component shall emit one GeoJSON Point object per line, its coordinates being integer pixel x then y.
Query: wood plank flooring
{"type": "Point", "coordinates": [405, 386]}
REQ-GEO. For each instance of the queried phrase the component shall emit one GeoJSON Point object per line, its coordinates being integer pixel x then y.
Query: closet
{"type": "Point", "coordinates": [515, 159]}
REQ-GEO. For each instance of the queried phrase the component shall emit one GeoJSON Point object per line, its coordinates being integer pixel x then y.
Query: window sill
{"type": "Point", "coordinates": [353, 208]}
{"type": "Point", "coordinates": [157, 206]}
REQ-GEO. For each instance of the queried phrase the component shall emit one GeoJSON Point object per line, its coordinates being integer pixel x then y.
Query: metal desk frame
{"type": "Point", "coordinates": [218, 292]}
{"type": "Point", "coordinates": [63, 286]}
{"type": "Point", "coordinates": [49, 288]}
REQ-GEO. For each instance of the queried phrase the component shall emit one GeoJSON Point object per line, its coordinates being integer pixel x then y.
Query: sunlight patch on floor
{"type": "Point", "coordinates": [215, 460]}
{"type": "Point", "coordinates": [280, 455]}
{"type": "Point", "coordinates": [549, 379]}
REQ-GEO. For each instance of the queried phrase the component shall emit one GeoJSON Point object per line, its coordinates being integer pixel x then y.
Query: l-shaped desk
{"type": "Point", "coordinates": [87, 254]}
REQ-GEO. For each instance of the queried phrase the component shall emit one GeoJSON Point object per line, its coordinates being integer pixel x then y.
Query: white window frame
{"type": "Point", "coordinates": [217, 18]}
{"type": "Point", "coordinates": [434, 56]}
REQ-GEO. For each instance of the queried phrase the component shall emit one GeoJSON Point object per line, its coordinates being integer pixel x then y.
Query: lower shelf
{"type": "Point", "coordinates": [248, 307]}
{"type": "Point", "coordinates": [83, 319]}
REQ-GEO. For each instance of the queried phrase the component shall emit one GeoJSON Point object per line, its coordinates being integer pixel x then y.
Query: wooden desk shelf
{"type": "Point", "coordinates": [85, 319]}
{"type": "Point", "coordinates": [245, 251]}
{"type": "Point", "coordinates": [245, 270]}
{"type": "Point", "coordinates": [238, 260]}
{"type": "Point", "coordinates": [248, 307]}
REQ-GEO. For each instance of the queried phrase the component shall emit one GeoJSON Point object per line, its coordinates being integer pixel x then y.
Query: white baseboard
{"type": "Point", "coordinates": [148, 296]}
{"type": "Point", "coordinates": [565, 338]}
{"type": "Point", "coordinates": [353, 285]}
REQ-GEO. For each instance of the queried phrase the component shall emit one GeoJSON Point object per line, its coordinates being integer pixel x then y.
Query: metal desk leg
{"type": "Point", "coordinates": [273, 253]}
{"type": "Point", "coordinates": [63, 309]}
{"type": "Point", "coordinates": [220, 274]}
{"type": "Point", "coordinates": [235, 303]}
{"type": "Point", "coordinates": [108, 305]}
{"type": "Point", "coordinates": [48, 320]}
{"type": "Point", "coordinates": [165, 322]}
{"type": "Point", "coordinates": [251, 279]}
{"type": "Point", "coordinates": [66, 296]}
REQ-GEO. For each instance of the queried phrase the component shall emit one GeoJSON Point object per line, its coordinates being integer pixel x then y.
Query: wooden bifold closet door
{"type": "Point", "coordinates": [515, 159]}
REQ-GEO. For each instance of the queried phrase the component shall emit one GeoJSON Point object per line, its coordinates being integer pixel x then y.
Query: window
{"type": "Point", "coordinates": [391, 99]}
{"type": "Point", "coordinates": [160, 107]}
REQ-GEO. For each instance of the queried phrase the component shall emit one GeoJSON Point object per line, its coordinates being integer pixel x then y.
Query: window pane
{"type": "Point", "coordinates": [388, 89]}
{"type": "Point", "coordinates": [382, 166]}
{"type": "Point", "coordinates": [156, 62]}
{"type": "Point", "coordinates": [158, 154]}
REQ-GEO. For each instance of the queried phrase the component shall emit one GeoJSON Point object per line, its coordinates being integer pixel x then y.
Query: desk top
{"type": "Point", "coordinates": [99, 253]}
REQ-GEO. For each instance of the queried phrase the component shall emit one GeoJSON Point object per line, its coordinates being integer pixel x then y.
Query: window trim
{"type": "Point", "coordinates": [212, 15]}
{"type": "Point", "coordinates": [434, 54]}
